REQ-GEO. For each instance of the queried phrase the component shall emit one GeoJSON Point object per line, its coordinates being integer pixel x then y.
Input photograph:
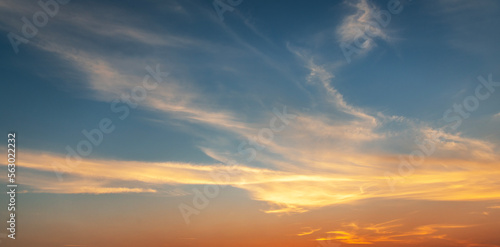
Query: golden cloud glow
{"type": "Point", "coordinates": [388, 232]}
{"type": "Point", "coordinates": [308, 232]}
{"type": "Point", "coordinates": [285, 191]}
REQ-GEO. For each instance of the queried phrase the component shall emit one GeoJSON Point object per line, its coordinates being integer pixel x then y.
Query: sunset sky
{"type": "Point", "coordinates": [200, 123]}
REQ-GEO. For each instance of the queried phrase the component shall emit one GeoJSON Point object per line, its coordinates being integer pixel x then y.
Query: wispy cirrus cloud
{"type": "Point", "coordinates": [309, 181]}
{"type": "Point", "coordinates": [330, 157]}
{"type": "Point", "coordinates": [360, 23]}
{"type": "Point", "coordinates": [389, 232]}
{"type": "Point", "coordinates": [308, 231]}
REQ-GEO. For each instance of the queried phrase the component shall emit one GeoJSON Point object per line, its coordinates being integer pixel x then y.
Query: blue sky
{"type": "Point", "coordinates": [352, 118]}
{"type": "Point", "coordinates": [425, 60]}
{"type": "Point", "coordinates": [424, 66]}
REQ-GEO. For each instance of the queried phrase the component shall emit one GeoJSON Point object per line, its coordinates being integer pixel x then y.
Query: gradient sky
{"type": "Point", "coordinates": [374, 151]}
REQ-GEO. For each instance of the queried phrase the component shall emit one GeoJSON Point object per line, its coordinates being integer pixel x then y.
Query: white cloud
{"type": "Point", "coordinates": [359, 24]}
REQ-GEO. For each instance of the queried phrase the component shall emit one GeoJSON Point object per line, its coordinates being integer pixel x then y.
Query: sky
{"type": "Point", "coordinates": [252, 123]}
